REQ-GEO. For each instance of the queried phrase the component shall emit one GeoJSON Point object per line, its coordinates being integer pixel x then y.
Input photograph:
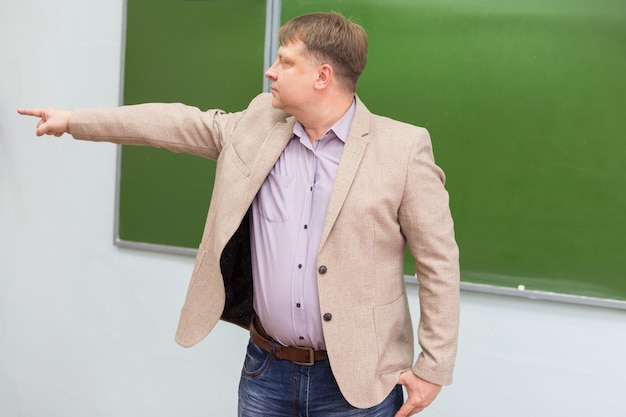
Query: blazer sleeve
{"type": "Point", "coordinates": [176, 127]}
{"type": "Point", "coordinates": [427, 223]}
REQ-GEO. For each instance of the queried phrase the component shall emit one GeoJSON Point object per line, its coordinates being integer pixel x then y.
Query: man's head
{"type": "Point", "coordinates": [331, 39]}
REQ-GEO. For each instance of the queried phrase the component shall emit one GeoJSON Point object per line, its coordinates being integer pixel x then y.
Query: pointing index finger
{"type": "Point", "coordinates": [31, 112]}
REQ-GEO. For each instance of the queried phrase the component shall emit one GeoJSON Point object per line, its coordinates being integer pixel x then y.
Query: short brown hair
{"type": "Point", "coordinates": [330, 38]}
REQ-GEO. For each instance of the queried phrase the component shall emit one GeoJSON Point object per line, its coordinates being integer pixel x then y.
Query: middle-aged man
{"type": "Point", "coordinates": [314, 201]}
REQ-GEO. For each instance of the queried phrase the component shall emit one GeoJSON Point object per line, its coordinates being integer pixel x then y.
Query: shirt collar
{"type": "Point", "coordinates": [340, 129]}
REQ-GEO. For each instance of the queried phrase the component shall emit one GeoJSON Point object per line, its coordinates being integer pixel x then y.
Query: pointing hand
{"type": "Point", "coordinates": [52, 121]}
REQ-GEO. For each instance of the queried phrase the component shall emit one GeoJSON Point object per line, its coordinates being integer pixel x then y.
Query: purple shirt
{"type": "Point", "coordinates": [287, 219]}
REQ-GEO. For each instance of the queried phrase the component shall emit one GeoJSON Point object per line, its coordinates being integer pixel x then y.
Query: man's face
{"type": "Point", "coordinates": [292, 78]}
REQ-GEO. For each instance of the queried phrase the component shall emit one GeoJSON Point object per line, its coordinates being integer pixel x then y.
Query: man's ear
{"type": "Point", "coordinates": [325, 74]}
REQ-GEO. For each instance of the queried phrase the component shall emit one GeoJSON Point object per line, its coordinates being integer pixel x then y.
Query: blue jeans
{"type": "Point", "coordinates": [271, 387]}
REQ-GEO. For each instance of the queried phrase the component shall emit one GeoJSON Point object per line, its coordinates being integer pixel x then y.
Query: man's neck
{"type": "Point", "coordinates": [325, 115]}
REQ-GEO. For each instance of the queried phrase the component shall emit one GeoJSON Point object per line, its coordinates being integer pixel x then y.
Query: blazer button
{"type": "Point", "coordinates": [323, 269]}
{"type": "Point", "coordinates": [328, 317]}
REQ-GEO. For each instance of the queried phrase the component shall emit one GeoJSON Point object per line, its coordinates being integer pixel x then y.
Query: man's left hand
{"type": "Point", "coordinates": [421, 394]}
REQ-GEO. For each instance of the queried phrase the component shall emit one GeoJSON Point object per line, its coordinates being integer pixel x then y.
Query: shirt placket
{"type": "Point", "coordinates": [303, 252]}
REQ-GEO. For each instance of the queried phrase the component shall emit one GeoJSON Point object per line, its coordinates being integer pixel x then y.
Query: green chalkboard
{"type": "Point", "coordinates": [202, 53]}
{"type": "Point", "coordinates": [524, 102]}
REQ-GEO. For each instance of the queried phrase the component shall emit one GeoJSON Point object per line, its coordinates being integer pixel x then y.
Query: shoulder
{"type": "Point", "coordinates": [396, 126]}
{"type": "Point", "coordinates": [397, 134]}
{"type": "Point", "coordinates": [261, 106]}
{"type": "Point", "coordinates": [259, 116]}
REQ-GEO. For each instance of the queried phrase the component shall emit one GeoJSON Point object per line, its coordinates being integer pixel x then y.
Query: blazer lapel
{"type": "Point", "coordinates": [353, 151]}
{"type": "Point", "coordinates": [273, 145]}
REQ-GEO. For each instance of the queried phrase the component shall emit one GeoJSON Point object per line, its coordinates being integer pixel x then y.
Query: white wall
{"type": "Point", "coordinates": [86, 328]}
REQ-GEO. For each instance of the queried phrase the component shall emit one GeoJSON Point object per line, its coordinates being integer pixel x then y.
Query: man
{"type": "Point", "coordinates": [314, 201]}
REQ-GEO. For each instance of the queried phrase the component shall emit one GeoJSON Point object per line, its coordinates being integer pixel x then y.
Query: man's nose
{"type": "Point", "coordinates": [271, 72]}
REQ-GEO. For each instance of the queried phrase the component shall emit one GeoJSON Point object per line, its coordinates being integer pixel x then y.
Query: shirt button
{"type": "Point", "coordinates": [306, 226]}
{"type": "Point", "coordinates": [323, 269]}
{"type": "Point", "coordinates": [298, 305]}
{"type": "Point", "coordinates": [328, 317]}
{"type": "Point", "coordinates": [299, 266]}
{"type": "Point", "coordinates": [301, 338]}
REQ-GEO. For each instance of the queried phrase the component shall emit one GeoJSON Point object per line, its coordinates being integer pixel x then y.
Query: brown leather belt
{"type": "Point", "coordinates": [299, 355]}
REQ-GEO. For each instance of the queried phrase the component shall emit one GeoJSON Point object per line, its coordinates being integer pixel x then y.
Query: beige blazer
{"type": "Point", "coordinates": [388, 192]}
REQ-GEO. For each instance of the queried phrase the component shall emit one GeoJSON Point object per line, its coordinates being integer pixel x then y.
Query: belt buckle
{"type": "Point", "coordinates": [311, 360]}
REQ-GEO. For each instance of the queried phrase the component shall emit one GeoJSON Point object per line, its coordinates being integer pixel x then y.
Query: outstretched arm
{"type": "Point", "coordinates": [173, 126]}
{"type": "Point", "coordinates": [52, 121]}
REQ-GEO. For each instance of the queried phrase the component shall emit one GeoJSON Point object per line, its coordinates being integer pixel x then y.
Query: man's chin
{"type": "Point", "coordinates": [276, 103]}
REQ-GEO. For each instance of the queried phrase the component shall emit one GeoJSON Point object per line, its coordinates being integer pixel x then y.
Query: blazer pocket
{"type": "Point", "coordinates": [394, 336]}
